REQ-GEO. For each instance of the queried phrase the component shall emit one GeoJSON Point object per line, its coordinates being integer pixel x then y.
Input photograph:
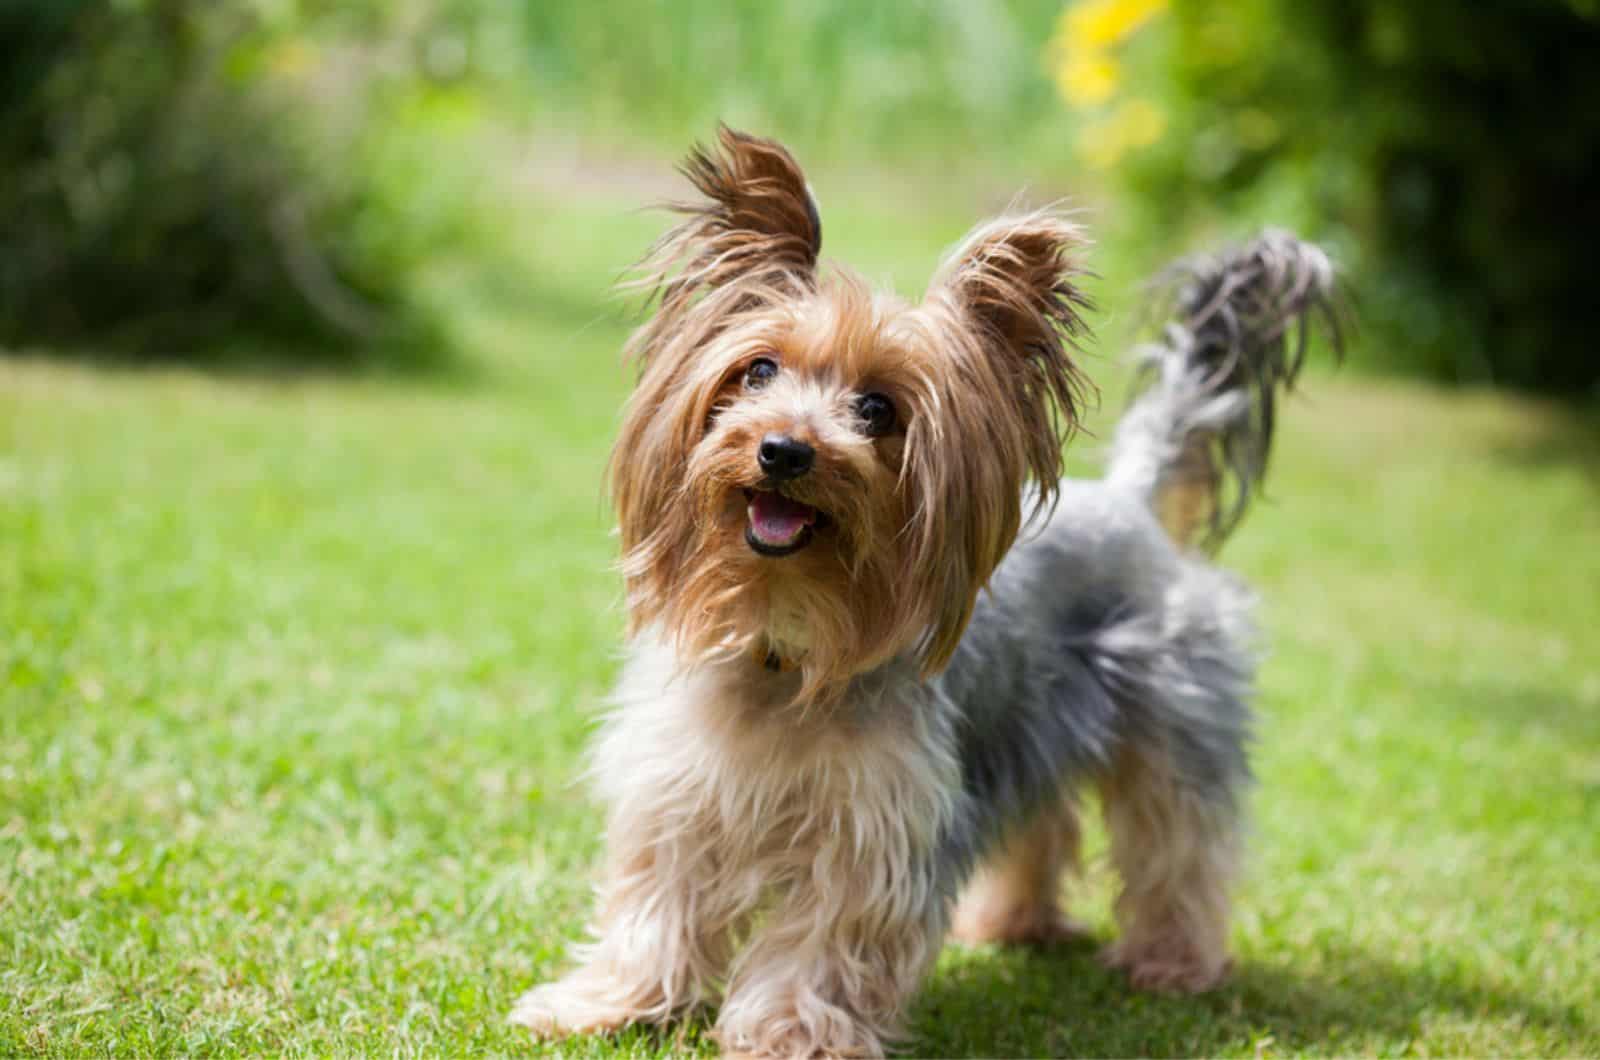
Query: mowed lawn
{"type": "Point", "coordinates": [295, 675]}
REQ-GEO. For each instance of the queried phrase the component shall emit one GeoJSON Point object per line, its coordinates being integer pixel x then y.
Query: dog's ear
{"type": "Point", "coordinates": [1012, 281]}
{"type": "Point", "coordinates": [1007, 331]}
{"type": "Point", "coordinates": [760, 211]}
{"type": "Point", "coordinates": [753, 238]}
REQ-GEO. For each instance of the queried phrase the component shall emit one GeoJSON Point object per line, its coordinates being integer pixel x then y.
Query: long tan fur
{"type": "Point", "coordinates": [983, 373]}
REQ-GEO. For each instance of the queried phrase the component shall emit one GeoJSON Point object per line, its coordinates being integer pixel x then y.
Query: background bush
{"type": "Point", "coordinates": [191, 177]}
{"type": "Point", "coordinates": [198, 177]}
{"type": "Point", "coordinates": [1451, 150]}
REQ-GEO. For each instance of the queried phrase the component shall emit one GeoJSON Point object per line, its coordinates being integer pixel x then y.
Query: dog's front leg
{"type": "Point", "coordinates": [834, 965]}
{"type": "Point", "coordinates": [661, 938]}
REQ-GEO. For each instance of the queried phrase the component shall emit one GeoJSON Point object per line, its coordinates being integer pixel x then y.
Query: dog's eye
{"type": "Point", "coordinates": [876, 413]}
{"type": "Point", "coordinates": [762, 371]}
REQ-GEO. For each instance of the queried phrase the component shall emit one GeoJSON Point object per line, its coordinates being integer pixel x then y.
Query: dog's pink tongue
{"type": "Point", "coordinates": [777, 520]}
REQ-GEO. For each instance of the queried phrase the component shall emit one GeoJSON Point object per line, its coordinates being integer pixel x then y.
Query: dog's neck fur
{"type": "Point", "coordinates": [786, 640]}
{"type": "Point", "coordinates": [770, 655]}
{"type": "Point", "coordinates": [766, 681]}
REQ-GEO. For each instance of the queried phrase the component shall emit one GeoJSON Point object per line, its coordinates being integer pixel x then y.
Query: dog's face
{"type": "Point", "coordinates": [817, 475]}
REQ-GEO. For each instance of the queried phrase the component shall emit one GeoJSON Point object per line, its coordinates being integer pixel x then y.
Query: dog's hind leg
{"type": "Point", "coordinates": [1015, 896]}
{"type": "Point", "coordinates": [1176, 848]}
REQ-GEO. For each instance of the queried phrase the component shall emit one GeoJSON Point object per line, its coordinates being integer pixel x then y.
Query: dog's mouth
{"type": "Point", "coordinates": [779, 525]}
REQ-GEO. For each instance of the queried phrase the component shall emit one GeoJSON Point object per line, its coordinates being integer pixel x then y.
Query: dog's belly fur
{"type": "Point", "coordinates": [1096, 632]}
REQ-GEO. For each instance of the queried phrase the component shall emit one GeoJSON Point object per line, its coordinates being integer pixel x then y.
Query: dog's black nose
{"type": "Point", "coordinates": [783, 457]}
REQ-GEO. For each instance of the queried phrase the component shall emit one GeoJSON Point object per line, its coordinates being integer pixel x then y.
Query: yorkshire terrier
{"type": "Point", "coordinates": [878, 646]}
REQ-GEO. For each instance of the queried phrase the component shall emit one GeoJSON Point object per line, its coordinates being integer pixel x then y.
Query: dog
{"type": "Point", "coordinates": [878, 646]}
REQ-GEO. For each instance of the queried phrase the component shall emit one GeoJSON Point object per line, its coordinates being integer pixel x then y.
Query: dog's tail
{"type": "Point", "coordinates": [1194, 443]}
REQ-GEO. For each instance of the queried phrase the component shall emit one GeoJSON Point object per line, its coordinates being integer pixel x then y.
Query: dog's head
{"type": "Point", "coordinates": [820, 475]}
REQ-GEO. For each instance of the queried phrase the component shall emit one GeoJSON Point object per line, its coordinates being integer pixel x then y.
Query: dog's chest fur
{"type": "Point", "coordinates": [785, 791]}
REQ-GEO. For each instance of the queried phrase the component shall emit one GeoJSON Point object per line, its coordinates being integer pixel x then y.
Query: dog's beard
{"type": "Point", "coordinates": [810, 573]}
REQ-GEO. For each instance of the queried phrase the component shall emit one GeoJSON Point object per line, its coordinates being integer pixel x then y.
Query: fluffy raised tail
{"type": "Point", "coordinates": [1195, 441]}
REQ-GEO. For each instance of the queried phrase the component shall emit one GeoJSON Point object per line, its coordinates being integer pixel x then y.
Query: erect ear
{"type": "Point", "coordinates": [760, 205]}
{"type": "Point", "coordinates": [1006, 324]}
{"type": "Point", "coordinates": [754, 236]}
{"type": "Point", "coordinates": [1011, 282]}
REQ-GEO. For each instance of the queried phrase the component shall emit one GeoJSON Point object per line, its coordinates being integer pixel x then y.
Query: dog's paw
{"type": "Point", "coordinates": [1167, 968]}
{"type": "Point", "coordinates": [786, 1047]}
{"type": "Point", "coordinates": [808, 1027]}
{"type": "Point", "coordinates": [571, 1006]}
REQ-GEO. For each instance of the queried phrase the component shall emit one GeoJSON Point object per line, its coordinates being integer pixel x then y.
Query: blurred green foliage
{"type": "Point", "coordinates": [197, 178]}
{"type": "Point", "coordinates": [208, 179]}
{"type": "Point", "coordinates": [194, 176]}
{"type": "Point", "coordinates": [1449, 150]}
{"type": "Point", "coordinates": [934, 80]}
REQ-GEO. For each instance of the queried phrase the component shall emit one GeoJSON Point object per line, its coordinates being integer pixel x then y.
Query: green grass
{"type": "Point", "coordinates": [295, 676]}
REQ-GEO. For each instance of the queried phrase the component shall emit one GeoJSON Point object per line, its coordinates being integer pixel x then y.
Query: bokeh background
{"type": "Point", "coordinates": [308, 372]}
{"type": "Point", "coordinates": [213, 181]}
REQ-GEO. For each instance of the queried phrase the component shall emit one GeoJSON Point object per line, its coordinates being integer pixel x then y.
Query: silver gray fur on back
{"type": "Point", "coordinates": [1098, 631]}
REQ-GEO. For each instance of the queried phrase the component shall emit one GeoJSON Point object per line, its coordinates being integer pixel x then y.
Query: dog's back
{"type": "Point", "coordinates": [1107, 649]}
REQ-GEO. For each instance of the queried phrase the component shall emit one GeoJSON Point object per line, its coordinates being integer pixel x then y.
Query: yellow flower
{"type": "Point", "coordinates": [1087, 80]}
{"type": "Point", "coordinates": [1080, 51]}
{"type": "Point", "coordinates": [1095, 25]}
